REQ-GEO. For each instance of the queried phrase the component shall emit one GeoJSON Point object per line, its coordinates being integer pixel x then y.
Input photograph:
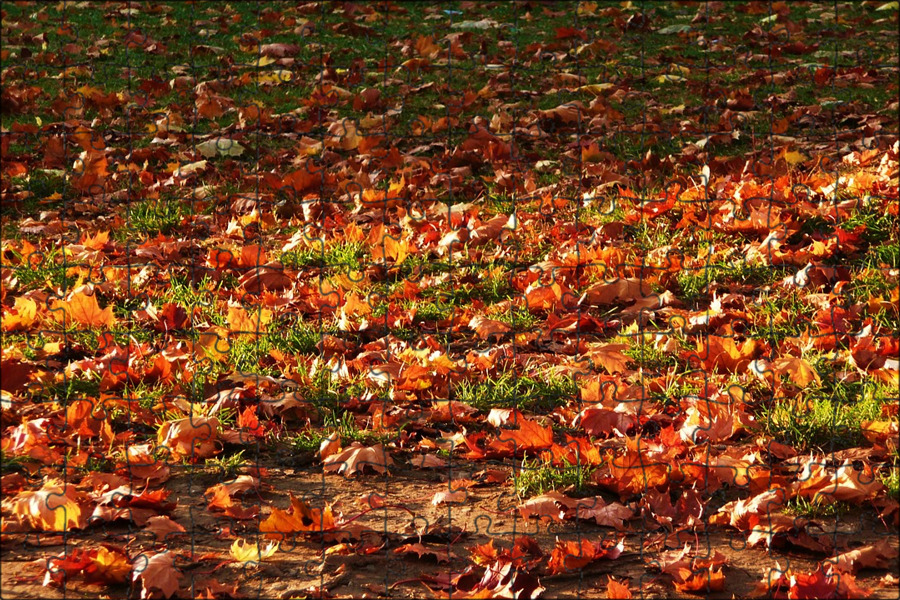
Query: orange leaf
{"type": "Point", "coordinates": [191, 437]}
{"type": "Point", "coordinates": [83, 309]}
{"type": "Point", "coordinates": [616, 590]}
{"type": "Point", "coordinates": [299, 518]}
{"type": "Point", "coordinates": [21, 316]}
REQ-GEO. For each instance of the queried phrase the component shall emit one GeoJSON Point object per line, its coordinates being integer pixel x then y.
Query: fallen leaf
{"type": "Point", "coordinates": [356, 458]}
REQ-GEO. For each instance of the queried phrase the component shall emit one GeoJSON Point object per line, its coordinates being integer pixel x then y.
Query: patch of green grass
{"type": "Point", "coordinates": [47, 190]}
{"type": "Point", "coordinates": [200, 295]}
{"type": "Point", "coordinates": [306, 441]}
{"type": "Point", "coordinates": [336, 255]}
{"type": "Point", "coordinates": [246, 355]}
{"type": "Point", "coordinates": [830, 418]}
{"type": "Point", "coordinates": [295, 337]}
{"type": "Point", "coordinates": [539, 477]}
{"type": "Point", "coordinates": [648, 357]}
{"type": "Point", "coordinates": [891, 480]}
{"type": "Point", "coordinates": [344, 424]}
{"type": "Point", "coordinates": [152, 217]}
{"type": "Point", "coordinates": [228, 465]}
{"type": "Point", "coordinates": [532, 393]}
{"type": "Point", "coordinates": [43, 270]}
{"type": "Point", "coordinates": [816, 508]}
{"type": "Point", "coordinates": [519, 318]}
{"type": "Point", "coordinates": [694, 282]}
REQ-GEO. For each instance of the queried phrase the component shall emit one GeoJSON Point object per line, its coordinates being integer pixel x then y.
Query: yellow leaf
{"type": "Point", "coordinates": [276, 77]}
{"type": "Point", "coordinates": [214, 344]}
{"type": "Point", "coordinates": [265, 61]}
{"type": "Point", "coordinates": [794, 158]}
{"type": "Point", "coordinates": [596, 88]}
{"type": "Point", "coordinates": [667, 78]}
{"type": "Point", "coordinates": [112, 566]}
{"type": "Point", "coordinates": [246, 552]}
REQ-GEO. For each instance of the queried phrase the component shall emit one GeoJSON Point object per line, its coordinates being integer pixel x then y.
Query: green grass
{"type": "Point", "coordinates": [816, 508]}
{"type": "Point", "coordinates": [529, 393]}
{"type": "Point", "coordinates": [228, 465]}
{"type": "Point", "coordinates": [694, 282]}
{"type": "Point", "coordinates": [830, 419]}
{"type": "Point", "coordinates": [519, 318]}
{"type": "Point", "coordinates": [891, 480]}
{"type": "Point", "coordinates": [152, 217]}
{"type": "Point", "coordinates": [539, 477]}
{"type": "Point", "coordinates": [336, 255]}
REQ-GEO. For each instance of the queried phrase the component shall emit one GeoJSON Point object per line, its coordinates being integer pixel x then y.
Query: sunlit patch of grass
{"type": "Point", "coordinates": [539, 477]}
{"type": "Point", "coordinates": [507, 390]}
{"type": "Point", "coordinates": [891, 479]}
{"type": "Point", "coordinates": [519, 318]}
{"type": "Point", "coordinates": [816, 508]}
{"type": "Point", "coordinates": [47, 190]}
{"type": "Point", "coordinates": [228, 465]}
{"type": "Point", "coordinates": [826, 419]}
{"type": "Point", "coordinates": [336, 255]}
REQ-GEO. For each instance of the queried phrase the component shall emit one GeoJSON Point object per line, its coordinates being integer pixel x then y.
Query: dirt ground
{"type": "Point", "coordinates": [302, 568]}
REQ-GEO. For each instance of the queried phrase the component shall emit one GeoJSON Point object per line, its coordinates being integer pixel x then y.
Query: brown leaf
{"type": "Point", "coordinates": [162, 527]}
{"type": "Point", "coordinates": [156, 574]}
{"type": "Point", "coordinates": [448, 497]}
{"type": "Point", "coordinates": [356, 458]}
{"type": "Point", "coordinates": [441, 555]}
{"type": "Point", "coordinates": [487, 328]}
{"type": "Point", "coordinates": [620, 291]}
{"type": "Point", "coordinates": [871, 556]}
{"type": "Point", "coordinates": [573, 556]}
{"type": "Point", "coordinates": [616, 590]}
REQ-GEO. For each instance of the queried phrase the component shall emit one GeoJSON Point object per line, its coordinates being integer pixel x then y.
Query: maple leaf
{"type": "Point", "coordinates": [552, 505]}
{"type": "Point", "coordinates": [356, 458]}
{"type": "Point", "coordinates": [529, 436]}
{"type": "Point", "coordinates": [21, 316]}
{"type": "Point", "coordinates": [245, 552]}
{"type": "Point", "coordinates": [96, 565]}
{"type": "Point", "coordinates": [845, 482]}
{"type": "Point", "coordinates": [609, 356]}
{"type": "Point", "coordinates": [82, 308]}
{"type": "Point", "coordinates": [637, 470]}
{"type": "Point", "coordinates": [573, 556]}
{"type": "Point", "coordinates": [704, 580]}
{"type": "Point", "coordinates": [191, 437]}
{"type": "Point", "coordinates": [251, 324]}
{"type": "Point", "coordinates": [300, 518]}
{"type": "Point", "coordinates": [52, 508]}
{"type": "Point", "coordinates": [616, 590]}
{"type": "Point", "coordinates": [870, 556]}
{"type": "Point", "coordinates": [157, 573]}
{"type": "Point", "coordinates": [441, 555]}
{"type": "Point", "coordinates": [613, 514]}
{"type": "Point", "coordinates": [620, 291]}
{"type": "Point", "coordinates": [601, 422]}
{"type": "Point", "coordinates": [162, 527]}
{"type": "Point", "coordinates": [488, 328]}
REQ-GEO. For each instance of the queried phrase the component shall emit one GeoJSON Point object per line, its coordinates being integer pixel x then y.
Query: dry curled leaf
{"type": "Point", "coordinates": [356, 458]}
